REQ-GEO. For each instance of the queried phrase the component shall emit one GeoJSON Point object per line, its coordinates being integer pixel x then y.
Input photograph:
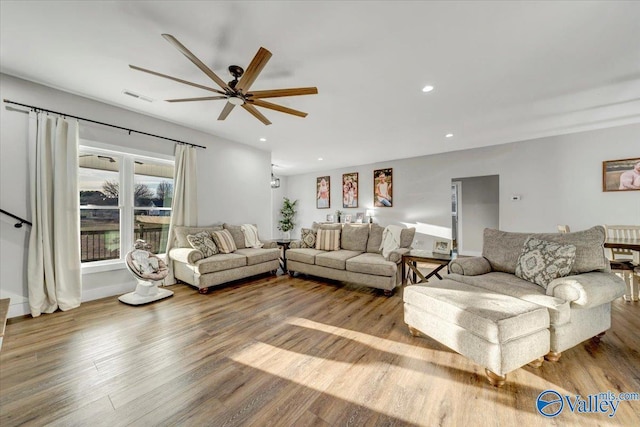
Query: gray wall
{"type": "Point", "coordinates": [233, 178]}
{"type": "Point", "coordinates": [559, 179]}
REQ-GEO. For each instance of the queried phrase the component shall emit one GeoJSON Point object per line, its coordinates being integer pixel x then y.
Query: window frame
{"type": "Point", "coordinates": [126, 205]}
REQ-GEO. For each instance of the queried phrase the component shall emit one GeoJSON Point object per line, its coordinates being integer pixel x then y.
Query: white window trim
{"type": "Point", "coordinates": [126, 178]}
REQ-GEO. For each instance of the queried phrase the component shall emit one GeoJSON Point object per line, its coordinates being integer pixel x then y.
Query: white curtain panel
{"type": "Point", "coordinates": [184, 208]}
{"type": "Point", "coordinates": [53, 278]}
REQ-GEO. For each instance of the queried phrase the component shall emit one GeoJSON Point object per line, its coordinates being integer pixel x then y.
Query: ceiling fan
{"type": "Point", "coordinates": [236, 92]}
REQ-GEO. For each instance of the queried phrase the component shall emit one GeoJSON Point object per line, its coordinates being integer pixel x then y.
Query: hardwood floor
{"type": "Point", "coordinates": [284, 351]}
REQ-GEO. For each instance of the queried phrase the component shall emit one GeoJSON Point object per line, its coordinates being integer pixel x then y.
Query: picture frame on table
{"type": "Point", "coordinates": [382, 188]}
{"type": "Point", "coordinates": [442, 247]}
{"type": "Point", "coordinates": [323, 192]}
{"type": "Point", "coordinates": [347, 219]}
{"type": "Point", "coordinates": [359, 217]}
{"type": "Point", "coordinates": [621, 175]}
{"type": "Point", "coordinates": [350, 190]}
{"type": "Point", "coordinates": [331, 218]}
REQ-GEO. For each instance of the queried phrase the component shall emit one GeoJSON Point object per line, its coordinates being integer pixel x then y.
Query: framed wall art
{"type": "Point", "coordinates": [350, 190]}
{"type": "Point", "coordinates": [323, 192]}
{"type": "Point", "coordinates": [621, 175]}
{"type": "Point", "coordinates": [382, 188]}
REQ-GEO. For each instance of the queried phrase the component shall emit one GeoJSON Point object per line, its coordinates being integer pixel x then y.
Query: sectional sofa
{"type": "Point", "coordinates": [356, 259]}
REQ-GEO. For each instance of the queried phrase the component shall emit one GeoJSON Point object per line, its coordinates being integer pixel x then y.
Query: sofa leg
{"type": "Point", "coordinates": [596, 339]}
{"type": "Point", "coordinates": [495, 379]}
{"type": "Point", "coordinates": [413, 331]}
{"type": "Point", "coordinates": [537, 363]}
{"type": "Point", "coordinates": [203, 291]}
{"type": "Point", "coordinates": [388, 292]}
{"type": "Point", "coordinates": [291, 273]}
{"type": "Point", "coordinates": [553, 356]}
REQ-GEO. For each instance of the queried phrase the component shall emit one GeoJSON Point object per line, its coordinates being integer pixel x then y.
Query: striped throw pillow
{"type": "Point", "coordinates": [224, 241]}
{"type": "Point", "coordinates": [328, 240]}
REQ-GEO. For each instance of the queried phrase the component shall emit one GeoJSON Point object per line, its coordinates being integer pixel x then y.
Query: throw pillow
{"type": "Point", "coordinates": [308, 238]}
{"type": "Point", "coordinates": [236, 233]}
{"type": "Point", "coordinates": [542, 261]}
{"type": "Point", "coordinates": [203, 242]}
{"type": "Point", "coordinates": [224, 241]}
{"type": "Point", "coordinates": [328, 240]}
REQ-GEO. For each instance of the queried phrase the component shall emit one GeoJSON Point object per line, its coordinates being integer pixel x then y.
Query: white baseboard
{"type": "Point", "coordinates": [470, 253]}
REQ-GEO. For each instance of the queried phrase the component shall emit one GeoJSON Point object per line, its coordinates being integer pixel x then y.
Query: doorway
{"type": "Point", "coordinates": [475, 205]}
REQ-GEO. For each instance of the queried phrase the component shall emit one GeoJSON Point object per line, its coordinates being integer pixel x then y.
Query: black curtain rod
{"type": "Point", "coordinates": [36, 109]}
{"type": "Point", "coordinates": [22, 221]}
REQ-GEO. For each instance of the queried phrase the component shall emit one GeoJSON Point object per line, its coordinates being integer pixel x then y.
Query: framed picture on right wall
{"type": "Point", "coordinates": [621, 175]}
{"type": "Point", "coordinates": [382, 188]}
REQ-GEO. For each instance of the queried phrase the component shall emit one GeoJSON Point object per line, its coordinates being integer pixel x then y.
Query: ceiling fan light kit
{"type": "Point", "coordinates": [236, 92]}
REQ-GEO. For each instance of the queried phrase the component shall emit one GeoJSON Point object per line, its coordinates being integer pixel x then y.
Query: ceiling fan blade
{"type": "Point", "coordinates": [202, 98]}
{"type": "Point", "coordinates": [275, 93]}
{"type": "Point", "coordinates": [257, 114]}
{"type": "Point", "coordinates": [277, 107]}
{"type": "Point", "coordinates": [255, 67]}
{"type": "Point", "coordinates": [225, 111]}
{"type": "Point", "coordinates": [191, 57]}
{"type": "Point", "coordinates": [144, 70]}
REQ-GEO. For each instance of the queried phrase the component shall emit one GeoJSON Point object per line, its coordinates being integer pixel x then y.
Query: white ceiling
{"type": "Point", "coordinates": [502, 71]}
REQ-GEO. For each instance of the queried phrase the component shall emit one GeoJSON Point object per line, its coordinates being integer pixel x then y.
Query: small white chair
{"type": "Point", "coordinates": [149, 271]}
{"type": "Point", "coordinates": [625, 258]}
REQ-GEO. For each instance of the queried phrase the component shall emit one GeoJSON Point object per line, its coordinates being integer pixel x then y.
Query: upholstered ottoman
{"type": "Point", "coordinates": [497, 331]}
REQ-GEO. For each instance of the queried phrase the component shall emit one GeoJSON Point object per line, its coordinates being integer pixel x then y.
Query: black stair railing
{"type": "Point", "coordinates": [21, 221]}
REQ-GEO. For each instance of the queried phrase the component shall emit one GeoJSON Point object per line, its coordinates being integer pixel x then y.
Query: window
{"type": "Point", "coordinates": [123, 197]}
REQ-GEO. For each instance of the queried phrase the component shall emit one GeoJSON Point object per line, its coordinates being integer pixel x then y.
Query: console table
{"type": "Point", "coordinates": [413, 257]}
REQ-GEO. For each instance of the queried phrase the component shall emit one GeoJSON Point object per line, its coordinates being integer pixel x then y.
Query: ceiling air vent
{"type": "Point", "coordinates": [137, 96]}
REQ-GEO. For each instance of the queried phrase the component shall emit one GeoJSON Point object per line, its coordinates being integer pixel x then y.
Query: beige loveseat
{"type": "Point", "coordinates": [190, 265]}
{"type": "Point", "coordinates": [358, 259]}
{"type": "Point", "coordinates": [579, 304]}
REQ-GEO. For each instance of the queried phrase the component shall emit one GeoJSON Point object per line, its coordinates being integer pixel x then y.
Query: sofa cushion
{"type": "Point", "coordinates": [307, 238]}
{"type": "Point", "coordinates": [509, 284]}
{"type": "Point", "coordinates": [354, 237]}
{"type": "Point", "coordinates": [335, 259]}
{"type": "Point", "coordinates": [542, 261]}
{"type": "Point", "coordinates": [331, 226]}
{"type": "Point", "coordinates": [221, 262]}
{"type": "Point", "coordinates": [305, 255]}
{"type": "Point", "coordinates": [258, 255]}
{"type": "Point", "coordinates": [406, 237]}
{"type": "Point", "coordinates": [182, 231]}
{"type": "Point", "coordinates": [590, 255]}
{"type": "Point", "coordinates": [236, 233]}
{"type": "Point", "coordinates": [375, 264]}
{"type": "Point", "coordinates": [203, 242]}
{"type": "Point", "coordinates": [375, 239]}
{"type": "Point", "coordinates": [328, 240]}
{"type": "Point", "coordinates": [502, 248]}
{"type": "Point", "coordinates": [224, 241]}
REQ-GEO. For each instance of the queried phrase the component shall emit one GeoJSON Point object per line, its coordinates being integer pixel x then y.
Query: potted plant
{"type": "Point", "coordinates": [287, 213]}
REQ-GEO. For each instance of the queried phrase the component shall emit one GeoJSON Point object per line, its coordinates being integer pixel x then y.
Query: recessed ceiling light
{"type": "Point", "coordinates": [320, 158]}
{"type": "Point", "coordinates": [449, 135]}
{"type": "Point", "coordinates": [427, 88]}
{"type": "Point", "coordinates": [263, 139]}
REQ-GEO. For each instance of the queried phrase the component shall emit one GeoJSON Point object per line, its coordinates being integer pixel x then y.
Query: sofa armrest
{"type": "Point", "coordinates": [396, 254]}
{"type": "Point", "coordinates": [587, 289]}
{"type": "Point", "coordinates": [473, 266]}
{"type": "Point", "coordinates": [185, 255]}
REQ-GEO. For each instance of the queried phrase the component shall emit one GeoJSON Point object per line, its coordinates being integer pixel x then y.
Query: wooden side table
{"type": "Point", "coordinates": [413, 257]}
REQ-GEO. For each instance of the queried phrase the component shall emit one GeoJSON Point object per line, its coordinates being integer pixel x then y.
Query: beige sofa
{"type": "Point", "coordinates": [190, 265]}
{"type": "Point", "coordinates": [579, 304]}
{"type": "Point", "coordinates": [358, 260]}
